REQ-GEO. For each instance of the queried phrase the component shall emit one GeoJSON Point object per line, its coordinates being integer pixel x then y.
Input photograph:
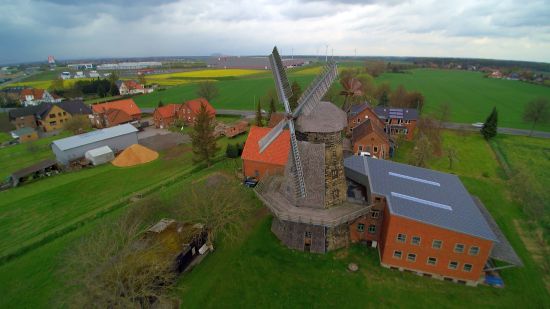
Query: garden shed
{"type": "Point", "coordinates": [100, 155]}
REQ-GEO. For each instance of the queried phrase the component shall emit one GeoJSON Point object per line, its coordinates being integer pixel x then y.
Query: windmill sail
{"type": "Point", "coordinates": [317, 89]}
{"type": "Point", "coordinates": [284, 91]}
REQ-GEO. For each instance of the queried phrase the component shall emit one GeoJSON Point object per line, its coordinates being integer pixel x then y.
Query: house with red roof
{"type": "Point", "coordinates": [103, 117]}
{"type": "Point", "coordinates": [126, 87]}
{"type": "Point", "coordinates": [166, 115]}
{"type": "Point", "coordinates": [271, 161]}
{"type": "Point", "coordinates": [34, 96]}
{"type": "Point", "coordinates": [190, 109]}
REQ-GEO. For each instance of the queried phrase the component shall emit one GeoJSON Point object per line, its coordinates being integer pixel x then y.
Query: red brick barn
{"type": "Point", "coordinates": [426, 222]}
{"type": "Point", "coordinates": [398, 120]}
{"type": "Point", "coordinates": [190, 109]}
{"type": "Point", "coordinates": [165, 116]}
{"type": "Point", "coordinates": [361, 113]}
{"type": "Point", "coordinates": [272, 160]}
{"type": "Point", "coordinates": [128, 106]}
{"type": "Point", "coordinates": [370, 137]}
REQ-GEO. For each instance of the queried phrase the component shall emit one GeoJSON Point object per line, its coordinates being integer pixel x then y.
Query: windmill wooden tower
{"type": "Point", "coordinates": [309, 201]}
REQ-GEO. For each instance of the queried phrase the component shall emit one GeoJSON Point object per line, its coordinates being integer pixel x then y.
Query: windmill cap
{"type": "Point", "coordinates": [325, 118]}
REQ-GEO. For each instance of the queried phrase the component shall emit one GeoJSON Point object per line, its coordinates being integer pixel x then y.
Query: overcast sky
{"type": "Point", "coordinates": [32, 30]}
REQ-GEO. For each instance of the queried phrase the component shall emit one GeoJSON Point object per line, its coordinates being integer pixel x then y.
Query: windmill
{"type": "Point", "coordinates": [306, 104]}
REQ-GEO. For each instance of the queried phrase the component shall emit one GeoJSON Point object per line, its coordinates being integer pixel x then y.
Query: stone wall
{"type": "Point", "coordinates": [335, 179]}
{"type": "Point", "coordinates": [293, 235]}
{"type": "Point", "coordinates": [337, 237]}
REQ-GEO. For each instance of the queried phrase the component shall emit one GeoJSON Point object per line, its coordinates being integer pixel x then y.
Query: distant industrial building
{"type": "Point", "coordinates": [72, 148]}
{"type": "Point", "coordinates": [129, 65]}
{"type": "Point", "coordinates": [261, 63]}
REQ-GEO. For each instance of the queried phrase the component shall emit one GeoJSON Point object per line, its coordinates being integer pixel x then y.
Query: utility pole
{"type": "Point", "coordinates": [326, 53]}
{"type": "Point", "coordinates": [332, 56]}
{"type": "Point", "coordinates": [292, 54]}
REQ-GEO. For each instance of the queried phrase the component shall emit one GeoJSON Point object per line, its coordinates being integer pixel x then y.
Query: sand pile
{"type": "Point", "coordinates": [134, 155]}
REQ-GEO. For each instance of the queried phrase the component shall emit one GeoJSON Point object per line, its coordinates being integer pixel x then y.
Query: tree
{"type": "Point", "coordinates": [108, 270]}
{"type": "Point", "coordinates": [202, 137]}
{"type": "Point", "coordinates": [113, 89]}
{"type": "Point", "coordinates": [537, 111]}
{"type": "Point", "coordinates": [296, 94]}
{"type": "Point", "coordinates": [78, 124]}
{"type": "Point", "coordinates": [142, 80]}
{"type": "Point", "coordinates": [259, 116]}
{"type": "Point", "coordinates": [272, 108]}
{"type": "Point", "coordinates": [415, 99]}
{"type": "Point", "coordinates": [422, 151]}
{"type": "Point", "coordinates": [444, 114]}
{"type": "Point", "coordinates": [101, 91]}
{"type": "Point", "coordinates": [452, 156]}
{"type": "Point", "coordinates": [431, 129]}
{"type": "Point", "coordinates": [160, 104]}
{"type": "Point", "coordinates": [489, 129]}
{"type": "Point", "coordinates": [382, 94]}
{"type": "Point", "coordinates": [375, 68]}
{"type": "Point", "coordinates": [57, 85]}
{"type": "Point", "coordinates": [207, 90]}
{"type": "Point", "coordinates": [398, 98]}
{"type": "Point", "coordinates": [352, 88]}
{"type": "Point", "coordinates": [232, 151]}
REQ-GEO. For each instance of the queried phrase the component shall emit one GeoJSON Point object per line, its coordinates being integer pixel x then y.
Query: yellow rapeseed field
{"type": "Point", "coordinates": [209, 73]}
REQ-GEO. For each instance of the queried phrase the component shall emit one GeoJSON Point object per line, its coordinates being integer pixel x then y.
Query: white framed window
{"type": "Point", "coordinates": [467, 268]}
{"type": "Point", "coordinates": [372, 229]}
{"type": "Point", "coordinates": [459, 248]}
{"type": "Point", "coordinates": [432, 261]}
{"type": "Point", "coordinates": [397, 254]}
{"type": "Point", "coordinates": [437, 244]}
{"type": "Point", "coordinates": [307, 234]}
{"type": "Point", "coordinates": [415, 240]}
{"type": "Point", "coordinates": [375, 148]}
{"type": "Point", "coordinates": [360, 148]}
{"type": "Point", "coordinates": [411, 257]}
{"type": "Point", "coordinates": [375, 213]}
{"type": "Point", "coordinates": [453, 265]}
{"type": "Point", "coordinates": [401, 237]}
{"type": "Point", "coordinates": [360, 227]}
{"type": "Point", "coordinates": [474, 250]}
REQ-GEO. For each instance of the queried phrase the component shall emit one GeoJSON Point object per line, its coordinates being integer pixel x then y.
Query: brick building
{"type": "Point", "coordinates": [398, 120]}
{"type": "Point", "coordinates": [165, 116]}
{"type": "Point", "coordinates": [361, 113]}
{"type": "Point", "coordinates": [425, 222]}
{"type": "Point", "coordinates": [105, 114]}
{"type": "Point", "coordinates": [272, 160]}
{"type": "Point", "coordinates": [369, 137]}
{"type": "Point", "coordinates": [48, 116]}
{"type": "Point", "coordinates": [189, 110]}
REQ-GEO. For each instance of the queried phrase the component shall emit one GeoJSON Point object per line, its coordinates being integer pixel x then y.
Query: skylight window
{"type": "Point", "coordinates": [433, 183]}
{"type": "Point", "coordinates": [421, 201]}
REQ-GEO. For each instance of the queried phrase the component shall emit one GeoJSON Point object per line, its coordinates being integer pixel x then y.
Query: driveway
{"type": "Point", "coordinates": [152, 131]}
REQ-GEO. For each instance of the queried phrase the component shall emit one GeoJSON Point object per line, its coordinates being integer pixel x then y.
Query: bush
{"type": "Point", "coordinates": [232, 151]}
{"type": "Point", "coordinates": [240, 147]}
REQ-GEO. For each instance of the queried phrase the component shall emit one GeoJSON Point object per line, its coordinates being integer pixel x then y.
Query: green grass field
{"type": "Point", "coordinates": [13, 158]}
{"type": "Point", "coordinates": [470, 95]}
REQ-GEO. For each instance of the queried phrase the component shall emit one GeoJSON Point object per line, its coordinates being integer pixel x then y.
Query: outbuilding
{"type": "Point", "coordinates": [100, 155]}
{"type": "Point", "coordinates": [117, 138]}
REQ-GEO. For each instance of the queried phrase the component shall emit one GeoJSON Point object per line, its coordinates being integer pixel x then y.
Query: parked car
{"type": "Point", "coordinates": [477, 125]}
{"type": "Point", "coordinates": [250, 182]}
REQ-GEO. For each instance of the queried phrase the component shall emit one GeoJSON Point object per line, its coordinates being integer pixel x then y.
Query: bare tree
{"type": "Point", "coordinates": [444, 114]}
{"type": "Point", "coordinates": [78, 124]}
{"type": "Point", "coordinates": [422, 151]}
{"type": "Point", "coordinates": [219, 204]}
{"type": "Point", "coordinates": [452, 156]}
{"type": "Point", "coordinates": [375, 68]}
{"type": "Point", "coordinates": [115, 268]}
{"type": "Point", "coordinates": [398, 98]}
{"type": "Point", "coordinates": [536, 111]}
{"type": "Point", "coordinates": [207, 90]}
{"type": "Point", "coordinates": [431, 129]}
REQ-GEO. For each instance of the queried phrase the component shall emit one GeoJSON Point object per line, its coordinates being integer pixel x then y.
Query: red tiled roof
{"type": "Point", "coordinates": [195, 106]}
{"type": "Point", "coordinates": [127, 105]}
{"type": "Point", "coordinates": [37, 93]}
{"type": "Point", "coordinates": [276, 153]}
{"type": "Point", "coordinates": [131, 84]}
{"type": "Point", "coordinates": [168, 111]}
{"type": "Point", "coordinates": [117, 116]}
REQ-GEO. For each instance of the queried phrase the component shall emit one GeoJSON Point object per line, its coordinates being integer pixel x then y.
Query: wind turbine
{"type": "Point", "coordinates": [306, 104]}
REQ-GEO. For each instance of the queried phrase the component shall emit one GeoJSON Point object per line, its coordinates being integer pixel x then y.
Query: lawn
{"type": "Point", "coordinates": [4, 137]}
{"type": "Point", "coordinates": [233, 94]}
{"type": "Point", "coordinates": [13, 158]}
{"type": "Point", "coordinates": [470, 95]}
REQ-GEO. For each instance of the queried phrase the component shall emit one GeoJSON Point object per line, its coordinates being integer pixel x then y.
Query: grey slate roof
{"type": "Point", "coordinates": [94, 136]}
{"type": "Point", "coordinates": [356, 109]}
{"type": "Point", "coordinates": [365, 128]}
{"type": "Point", "coordinates": [325, 118]}
{"type": "Point", "coordinates": [72, 107]}
{"type": "Point", "coordinates": [420, 194]}
{"type": "Point", "coordinates": [394, 112]}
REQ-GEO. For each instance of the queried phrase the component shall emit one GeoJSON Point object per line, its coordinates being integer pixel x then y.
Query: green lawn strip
{"type": "Point", "coordinates": [39, 270]}
{"type": "Point", "coordinates": [15, 157]}
{"type": "Point", "coordinates": [259, 271]}
{"type": "Point", "coordinates": [470, 95]}
{"type": "Point", "coordinates": [4, 137]}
